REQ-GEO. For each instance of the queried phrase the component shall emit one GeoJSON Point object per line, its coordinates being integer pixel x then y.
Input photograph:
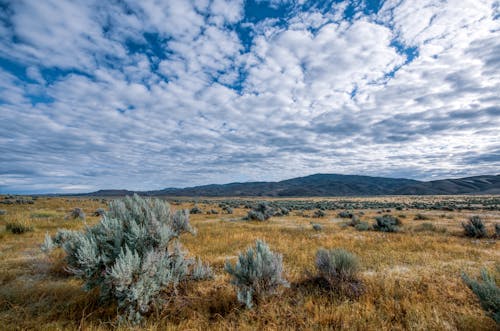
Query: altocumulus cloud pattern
{"type": "Point", "coordinates": [149, 94]}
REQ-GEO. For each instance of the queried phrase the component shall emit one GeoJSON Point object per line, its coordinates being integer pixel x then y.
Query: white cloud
{"type": "Point", "coordinates": [318, 94]}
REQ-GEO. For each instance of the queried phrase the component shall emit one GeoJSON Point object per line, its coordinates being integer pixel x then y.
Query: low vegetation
{"type": "Point", "coordinates": [488, 293]}
{"type": "Point", "coordinates": [257, 273]}
{"type": "Point", "coordinates": [93, 269]}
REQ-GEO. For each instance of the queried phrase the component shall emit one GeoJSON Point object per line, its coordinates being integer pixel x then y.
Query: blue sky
{"type": "Point", "coordinates": [152, 94]}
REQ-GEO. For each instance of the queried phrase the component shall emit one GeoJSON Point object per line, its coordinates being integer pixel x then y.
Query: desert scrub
{"type": "Point", "coordinates": [487, 292]}
{"type": "Point", "coordinates": [475, 228]}
{"type": "Point", "coordinates": [387, 223]}
{"type": "Point", "coordinates": [18, 227]}
{"type": "Point", "coordinates": [131, 255]}
{"type": "Point", "coordinates": [317, 227]}
{"type": "Point", "coordinates": [77, 213]}
{"type": "Point", "coordinates": [338, 271]}
{"type": "Point", "coordinates": [319, 213]}
{"type": "Point", "coordinates": [262, 212]}
{"type": "Point", "coordinates": [257, 273]}
{"type": "Point", "coordinates": [362, 226]}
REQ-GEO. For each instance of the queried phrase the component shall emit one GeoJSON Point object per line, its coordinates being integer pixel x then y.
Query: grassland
{"type": "Point", "coordinates": [412, 278]}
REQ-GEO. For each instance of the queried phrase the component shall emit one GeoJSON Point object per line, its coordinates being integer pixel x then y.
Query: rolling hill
{"type": "Point", "coordinates": [331, 185]}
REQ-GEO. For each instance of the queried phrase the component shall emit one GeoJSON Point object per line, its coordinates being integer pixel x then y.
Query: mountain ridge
{"type": "Point", "coordinates": [317, 185]}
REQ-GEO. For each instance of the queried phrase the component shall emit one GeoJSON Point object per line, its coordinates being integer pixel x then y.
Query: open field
{"type": "Point", "coordinates": [412, 278]}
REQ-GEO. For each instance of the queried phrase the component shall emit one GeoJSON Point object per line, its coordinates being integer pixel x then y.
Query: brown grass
{"type": "Point", "coordinates": [412, 279]}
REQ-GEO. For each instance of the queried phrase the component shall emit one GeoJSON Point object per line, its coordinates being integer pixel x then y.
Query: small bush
{"type": "Point", "coordinates": [257, 273]}
{"type": "Point", "coordinates": [262, 212]}
{"type": "Point", "coordinates": [345, 214]}
{"type": "Point", "coordinates": [227, 209]}
{"type": "Point", "coordinates": [339, 269]}
{"type": "Point", "coordinates": [317, 227]}
{"type": "Point", "coordinates": [487, 292]}
{"type": "Point", "coordinates": [319, 213]}
{"type": "Point", "coordinates": [196, 210]}
{"type": "Point", "coordinates": [77, 213]}
{"type": "Point", "coordinates": [497, 230]}
{"type": "Point", "coordinates": [421, 217]}
{"type": "Point", "coordinates": [18, 228]}
{"type": "Point", "coordinates": [387, 223]}
{"type": "Point", "coordinates": [3, 212]}
{"type": "Point", "coordinates": [354, 221]}
{"type": "Point", "coordinates": [475, 228]}
{"type": "Point", "coordinates": [99, 212]}
{"type": "Point", "coordinates": [362, 226]}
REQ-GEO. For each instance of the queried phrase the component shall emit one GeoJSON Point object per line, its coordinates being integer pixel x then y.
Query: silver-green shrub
{"type": "Point", "coordinates": [339, 270]}
{"type": "Point", "coordinates": [487, 292]}
{"type": "Point", "coordinates": [131, 255]}
{"type": "Point", "coordinates": [258, 272]}
{"type": "Point", "coordinates": [475, 228]}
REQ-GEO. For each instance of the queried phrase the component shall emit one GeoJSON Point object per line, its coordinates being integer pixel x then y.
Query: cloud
{"type": "Point", "coordinates": [153, 94]}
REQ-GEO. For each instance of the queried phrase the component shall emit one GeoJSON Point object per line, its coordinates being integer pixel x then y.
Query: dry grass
{"type": "Point", "coordinates": [412, 278]}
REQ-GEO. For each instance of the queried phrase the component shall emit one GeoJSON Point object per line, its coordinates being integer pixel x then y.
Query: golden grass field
{"type": "Point", "coordinates": [412, 278]}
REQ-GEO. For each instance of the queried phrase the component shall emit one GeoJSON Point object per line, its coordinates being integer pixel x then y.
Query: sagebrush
{"type": "Point", "coordinates": [257, 273]}
{"type": "Point", "coordinates": [131, 255]}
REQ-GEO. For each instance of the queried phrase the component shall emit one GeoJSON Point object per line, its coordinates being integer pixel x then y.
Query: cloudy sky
{"type": "Point", "coordinates": [159, 93]}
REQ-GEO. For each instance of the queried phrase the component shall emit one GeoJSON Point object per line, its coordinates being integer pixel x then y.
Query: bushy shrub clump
{"type": "Point", "coordinates": [487, 292]}
{"type": "Point", "coordinates": [3, 212]}
{"type": "Point", "coordinates": [131, 255]}
{"type": "Point", "coordinates": [226, 209]}
{"type": "Point", "coordinates": [261, 212]}
{"type": "Point", "coordinates": [345, 214]}
{"type": "Point", "coordinates": [18, 227]}
{"type": "Point", "coordinates": [362, 226]}
{"type": "Point", "coordinates": [497, 230]}
{"type": "Point", "coordinates": [339, 270]}
{"type": "Point", "coordinates": [317, 227]}
{"type": "Point", "coordinates": [196, 210]}
{"type": "Point", "coordinates": [99, 212]}
{"type": "Point", "coordinates": [319, 213]}
{"type": "Point", "coordinates": [475, 228]}
{"type": "Point", "coordinates": [387, 223]}
{"type": "Point", "coordinates": [77, 213]}
{"type": "Point", "coordinates": [257, 273]}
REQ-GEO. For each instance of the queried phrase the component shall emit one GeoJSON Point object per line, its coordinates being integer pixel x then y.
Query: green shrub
{"type": "Point", "coordinates": [354, 221]}
{"type": "Point", "coordinates": [257, 273]}
{"type": "Point", "coordinates": [475, 228]}
{"type": "Point", "coordinates": [262, 212]}
{"type": "Point", "coordinates": [362, 226]}
{"type": "Point", "coordinates": [3, 212]}
{"type": "Point", "coordinates": [77, 213]}
{"type": "Point", "coordinates": [319, 213]}
{"type": "Point", "coordinates": [18, 227]}
{"type": "Point", "coordinates": [387, 223]}
{"type": "Point", "coordinates": [317, 227]}
{"type": "Point", "coordinates": [196, 210]}
{"type": "Point", "coordinates": [487, 292]}
{"type": "Point", "coordinates": [339, 270]}
{"type": "Point", "coordinates": [131, 255]}
{"type": "Point", "coordinates": [345, 214]}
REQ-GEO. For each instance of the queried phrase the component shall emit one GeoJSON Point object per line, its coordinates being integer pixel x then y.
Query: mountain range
{"type": "Point", "coordinates": [329, 185]}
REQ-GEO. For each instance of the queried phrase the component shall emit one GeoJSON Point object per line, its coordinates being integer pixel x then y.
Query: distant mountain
{"type": "Point", "coordinates": [468, 185]}
{"type": "Point", "coordinates": [330, 185]}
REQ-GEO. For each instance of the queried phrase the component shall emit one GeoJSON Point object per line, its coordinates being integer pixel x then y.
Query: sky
{"type": "Point", "coordinates": [151, 94]}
